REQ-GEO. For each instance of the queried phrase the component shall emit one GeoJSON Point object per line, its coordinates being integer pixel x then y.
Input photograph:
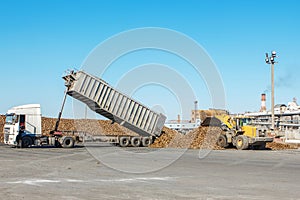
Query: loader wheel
{"type": "Point", "coordinates": [26, 142]}
{"type": "Point", "coordinates": [242, 142]}
{"type": "Point", "coordinates": [136, 141]}
{"type": "Point", "coordinates": [260, 146]}
{"type": "Point", "coordinates": [124, 141]}
{"type": "Point", "coordinates": [68, 142]}
{"type": "Point", "coordinates": [146, 141]}
{"type": "Point", "coordinates": [222, 141]}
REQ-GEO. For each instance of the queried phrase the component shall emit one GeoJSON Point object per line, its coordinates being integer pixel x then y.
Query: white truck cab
{"type": "Point", "coordinates": [23, 123]}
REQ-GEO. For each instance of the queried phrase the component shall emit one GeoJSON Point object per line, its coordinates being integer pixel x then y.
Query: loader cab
{"type": "Point", "coordinates": [22, 121]}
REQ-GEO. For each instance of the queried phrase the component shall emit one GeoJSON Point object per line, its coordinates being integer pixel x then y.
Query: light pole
{"type": "Point", "coordinates": [271, 60]}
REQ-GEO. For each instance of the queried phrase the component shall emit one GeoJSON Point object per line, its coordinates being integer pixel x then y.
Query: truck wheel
{"type": "Point", "coordinates": [57, 144]}
{"type": "Point", "coordinates": [136, 141]}
{"type": "Point", "coordinates": [26, 142]}
{"type": "Point", "coordinates": [68, 142]}
{"type": "Point", "coordinates": [146, 141]}
{"type": "Point", "coordinates": [242, 142]}
{"type": "Point", "coordinates": [222, 141]}
{"type": "Point", "coordinates": [124, 141]}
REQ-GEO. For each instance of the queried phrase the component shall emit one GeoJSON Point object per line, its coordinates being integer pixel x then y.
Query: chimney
{"type": "Point", "coordinates": [263, 103]}
{"type": "Point", "coordinates": [178, 119]}
{"type": "Point", "coordinates": [195, 111]}
{"type": "Point", "coordinates": [196, 105]}
{"type": "Point", "coordinates": [295, 101]}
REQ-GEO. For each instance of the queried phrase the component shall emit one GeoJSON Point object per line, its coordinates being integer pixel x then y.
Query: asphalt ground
{"type": "Point", "coordinates": [80, 173]}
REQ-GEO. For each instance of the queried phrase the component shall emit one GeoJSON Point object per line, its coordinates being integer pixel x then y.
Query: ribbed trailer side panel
{"type": "Point", "coordinates": [105, 100]}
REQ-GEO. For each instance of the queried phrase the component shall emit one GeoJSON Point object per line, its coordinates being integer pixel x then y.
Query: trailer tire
{"type": "Point", "coordinates": [242, 142]}
{"type": "Point", "coordinates": [146, 141]}
{"type": "Point", "coordinates": [222, 141]}
{"type": "Point", "coordinates": [68, 142]}
{"type": "Point", "coordinates": [136, 141]}
{"type": "Point", "coordinates": [124, 141]}
{"type": "Point", "coordinates": [26, 142]}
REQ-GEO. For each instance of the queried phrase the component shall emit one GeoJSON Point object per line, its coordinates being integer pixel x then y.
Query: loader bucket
{"type": "Point", "coordinates": [211, 121]}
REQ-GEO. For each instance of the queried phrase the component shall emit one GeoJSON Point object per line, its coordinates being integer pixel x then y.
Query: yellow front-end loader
{"type": "Point", "coordinates": [237, 131]}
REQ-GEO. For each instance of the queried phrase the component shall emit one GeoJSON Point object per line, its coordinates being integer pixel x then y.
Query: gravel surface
{"type": "Point", "coordinates": [55, 173]}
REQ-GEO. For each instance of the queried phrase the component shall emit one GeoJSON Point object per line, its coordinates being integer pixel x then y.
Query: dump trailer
{"type": "Point", "coordinates": [103, 99]}
{"type": "Point", "coordinates": [100, 97]}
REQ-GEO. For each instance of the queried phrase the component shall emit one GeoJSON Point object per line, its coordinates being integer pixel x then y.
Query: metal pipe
{"type": "Point", "coordinates": [61, 110]}
{"type": "Point", "coordinates": [196, 110]}
{"type": "Point", "coordinates": [272, 101]}
{"type": "Point", "coordinates": [271, 60]}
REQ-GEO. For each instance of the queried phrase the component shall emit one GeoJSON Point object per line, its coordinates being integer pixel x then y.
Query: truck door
{"type": "Point", "coordinates": [22, 123]}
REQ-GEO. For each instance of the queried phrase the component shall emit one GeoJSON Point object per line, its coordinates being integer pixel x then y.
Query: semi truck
{"type": "Point", "coordinates": [23, 123]}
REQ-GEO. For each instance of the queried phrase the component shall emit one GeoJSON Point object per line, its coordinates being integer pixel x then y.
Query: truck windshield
{"type": "Point", "coordinates": [11, 119]}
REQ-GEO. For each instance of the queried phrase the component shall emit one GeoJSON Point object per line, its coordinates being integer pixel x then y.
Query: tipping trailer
{"type": "Point", "coordinates": [103, 99]}
{"type": "Point", "coordinates": [23, 123]}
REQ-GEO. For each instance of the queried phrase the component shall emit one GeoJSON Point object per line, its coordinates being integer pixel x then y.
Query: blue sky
{"type": "Point", "coordinates": [41, 39]}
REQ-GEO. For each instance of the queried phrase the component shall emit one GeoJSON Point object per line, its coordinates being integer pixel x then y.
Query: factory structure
{"type": "Point", "coordinates": [287, 119]}
{"type": "Point", "coordinates": [196, 118]}
{"type": "Point", "coordinates": [184, 126]}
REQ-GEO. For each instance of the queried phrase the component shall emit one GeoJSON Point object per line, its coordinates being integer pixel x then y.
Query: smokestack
{"type": "Point", "coordinates": [196, 105]}
{"type": "Point", "coordinates": [196, 108]}
{"type": "Point", "coordinates": [178, 119]}
{"type": "Point", "coordinates": [295, 101]}
{"type": "Point", "coordinates": [263, 103]}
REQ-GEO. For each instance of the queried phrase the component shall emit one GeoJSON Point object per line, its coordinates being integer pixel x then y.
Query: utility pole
{"type": "Point", "coordinates": [271, 60]}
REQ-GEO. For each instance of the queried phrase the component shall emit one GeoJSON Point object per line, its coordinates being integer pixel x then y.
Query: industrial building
{"type": "Point", "coordinates": [287, 119]}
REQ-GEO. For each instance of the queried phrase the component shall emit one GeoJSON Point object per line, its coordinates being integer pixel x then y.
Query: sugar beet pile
{"type": "Point", "coordinates": [202, 137]}
{"type": "Point", "coordinates": [92, 126]}
{"type": "Point", "coordinates": [2, 121]}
